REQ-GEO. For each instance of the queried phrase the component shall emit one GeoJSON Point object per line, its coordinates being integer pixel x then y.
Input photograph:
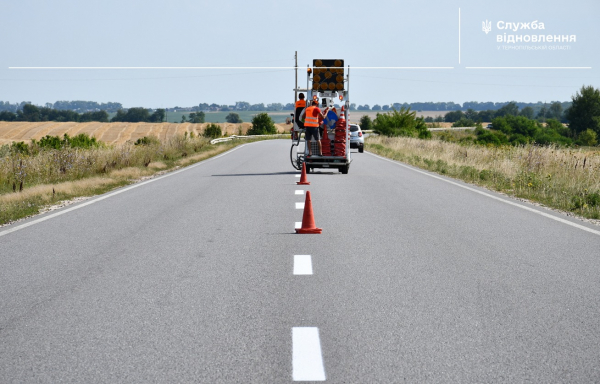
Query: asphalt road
{"type": "Point", "coordinates": [191, 278]}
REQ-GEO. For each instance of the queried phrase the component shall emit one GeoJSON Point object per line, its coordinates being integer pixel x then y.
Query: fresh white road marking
{"type": "Point", "coordinates": [595, 232]}
{"type": "Point", "coordinates": [297, 175]}
{"type": "Point", "coordinates": [298, 224]}
{"type": "Point", "coordinates": [299, 205]}
{"type": "Point", "coordinates": [307, 360]}
{"type": "Point", "coordinates": [106, 196]}
{"type": "Point", "coordinates": [302, 265]}
{"type": "Point", "coordinates": [299, 192]}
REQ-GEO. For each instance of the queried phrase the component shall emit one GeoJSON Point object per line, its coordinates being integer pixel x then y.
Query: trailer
{"type": "Point", "coordinates": [327, 82]}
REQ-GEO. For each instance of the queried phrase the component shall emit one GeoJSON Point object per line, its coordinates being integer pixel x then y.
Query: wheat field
{"type": "Point", "coordinates": [112, 133]}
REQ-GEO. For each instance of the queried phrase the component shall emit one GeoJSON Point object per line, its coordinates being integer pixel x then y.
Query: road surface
{"type": "Point", "coordinates": [199, 277]}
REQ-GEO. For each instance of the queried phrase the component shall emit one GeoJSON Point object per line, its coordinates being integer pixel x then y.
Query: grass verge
{"type": "Point", "coordinates": [563, 179]}
{"type": "Point", "coordinates": [30, 185]}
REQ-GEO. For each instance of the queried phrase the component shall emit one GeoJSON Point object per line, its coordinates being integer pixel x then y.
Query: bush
{"type": "Point", "coordinates": [366, 123]}
{"type": "Point", "coordinates": [212, 131]}
{"type": "Point", "coordinates": [262, 124]}
{"type": "Point", "coordinates": [147, 140]}
{"type": "Point", "coordinates": [588, 138]}
{"type": "Point", "coordinates": [464, 122]}
{"type": "Point", "coordinates": [400, 123]}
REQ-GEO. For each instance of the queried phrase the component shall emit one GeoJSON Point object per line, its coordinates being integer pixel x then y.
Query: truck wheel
{"type": "Point", "coordinates": [361, 149]}
{"type": "Point", "coordinates": [344, 169]}
{"type": "Point", "coordinates": [308, 169]}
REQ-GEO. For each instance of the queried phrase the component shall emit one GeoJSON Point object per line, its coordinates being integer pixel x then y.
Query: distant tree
{"type": "Point", "coordinates": [543, 113]}
{"type": "Point", "coordinates": [157, 116]}
{"type": "Point", "coordinates": [366, 123]}
{"type": "Point", "coordinates": [510, 109]}
{"type": "Point", "coordinates": [183, 118]}
{"type": "Point", "coordinates": [428, 119]}
{"type": "Point", "coordinates": [584, 113]}
{"type": "Point", "coordinates": [29, 113]}
{"type": "Point", "coordinates": [364, 107]}
{"type": "Point", "coordinates": [8, 116]}
{"type": "Point", "coordinates": [487, 115]}
{"type": "Point", "coordinates": [527, 112]}
{"type": "Point", "coordinates": [197, 118]}
{"type": "Point", "coordinates": [438, 119]}
{"type": "Point", "coordinates": [453, 116]}
{"type": "Point", "coordinates": [352, 107]}
{"type": "Point", "coordinates": [224, 108]}
{"type": "Point", "coordinates": [242, 106]}
{"type": "Point", "coordinates": [386, 107]}
{"type": "Point", "coordinates": [233, 118]}
{"type": "Point", "coordinates": [101, 116]}
{"type": "Point", "coordinates": [376, 107]}
{"type": "Point", "coordinates": [556, 110]}
{"type": "Point", "coordinates": [471, 115]}
{"type": "Point", "coordinates": [262, 124]}
{"type": "Point", "coordinates": [133, 115]}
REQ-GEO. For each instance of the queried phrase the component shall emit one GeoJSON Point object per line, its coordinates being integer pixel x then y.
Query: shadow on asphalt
{"type": "Point", "coordinates": [258, 174]}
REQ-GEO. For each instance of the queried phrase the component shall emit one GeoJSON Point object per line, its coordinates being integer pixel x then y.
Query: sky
{"type": "Point", "coordinates": [443, 42]}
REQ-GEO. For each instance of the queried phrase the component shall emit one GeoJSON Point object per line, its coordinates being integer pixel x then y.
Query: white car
{"type": "Point", "coordinates": [357, 139]}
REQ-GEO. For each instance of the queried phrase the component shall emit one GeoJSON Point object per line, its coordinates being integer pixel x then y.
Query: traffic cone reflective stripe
{"type": "Point", "coordinates": [303, 180]}
{"type": "Point", "coordinates": [308, 219]}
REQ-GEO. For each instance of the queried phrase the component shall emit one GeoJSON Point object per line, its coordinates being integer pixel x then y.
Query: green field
{"type": "Point", "coordinates": [219, 117]}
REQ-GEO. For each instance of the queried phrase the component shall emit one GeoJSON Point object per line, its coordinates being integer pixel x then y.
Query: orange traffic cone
{"type": "Point", "coordinates": [303, 180]}
{"type": "Point", "coordinates": [308, 219]}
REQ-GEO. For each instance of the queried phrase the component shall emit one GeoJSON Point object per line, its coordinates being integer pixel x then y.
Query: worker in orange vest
{"type": "Point", "coordinates": [300, 105]}
{"type": "Point", "coordinates": [311, 123]}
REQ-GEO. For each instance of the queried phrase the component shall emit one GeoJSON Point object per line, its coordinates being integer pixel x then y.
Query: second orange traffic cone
{"type": "Point", "coordinates": [308, 219]}
{"type": "Point", "coordinates": [303, 180]}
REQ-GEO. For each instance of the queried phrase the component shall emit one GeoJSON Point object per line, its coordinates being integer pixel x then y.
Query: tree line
{"type": "Point", "coordinates": [509, 124]}
{"type": "Point", "coordinates": [79, 106]}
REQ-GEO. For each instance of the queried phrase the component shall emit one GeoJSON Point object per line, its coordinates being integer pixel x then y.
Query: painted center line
{"type": "Point", "coordinates": [307, 360]}
{"type": "Point", "coordinates": [299, 192]}
{"type": "Point", "coordinates": [297, 175]}
{"type": "Point", "coordinates": [297, 224]}
{"type": "Point", "coordinates": [302, 265]}
{"type": "Point", "coordinates": [299, 205]}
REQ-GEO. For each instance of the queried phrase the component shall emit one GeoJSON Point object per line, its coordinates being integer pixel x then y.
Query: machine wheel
{"type": "Point", "coordinates": [308, 169]}
{"type": "Point", "coordinates": [344, 169]}
{"type": "Point", "coordinates": [361, 149]}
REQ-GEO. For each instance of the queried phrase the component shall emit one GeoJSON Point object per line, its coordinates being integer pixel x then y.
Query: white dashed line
{"type": "Point", "coordinates": [302, 265]}
{"type": "Point", "coordinates": [299, 192]}
{"type": "Point", "coordinates": [299, 205]}
{"type": "Point", "coordinates": [298, 224]}
{"type": "Point", "coordinates": [307, 360]}
{"type": "Point", "coordinates": [297, 175]}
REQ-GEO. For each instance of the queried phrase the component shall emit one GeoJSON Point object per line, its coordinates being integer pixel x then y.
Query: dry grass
{"type": "Point", "coordinates": [565, 179]}
{"type": "Point", "coordinates": [113, 133]}
{"type": "Point", "coordinates": [52, 175]}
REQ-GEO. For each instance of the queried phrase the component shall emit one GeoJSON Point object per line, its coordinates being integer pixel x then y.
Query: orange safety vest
{"type": "Point", "coordinates": [310, 120]}
{"type": "Point", "coordinates": [300, 103]}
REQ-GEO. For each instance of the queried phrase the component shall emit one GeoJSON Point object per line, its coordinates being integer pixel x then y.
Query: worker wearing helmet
{"type": "Point", "coordinates": [311, 123]}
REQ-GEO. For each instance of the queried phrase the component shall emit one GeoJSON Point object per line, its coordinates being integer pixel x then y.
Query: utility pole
{"type": "Point", "coordinates": [296, 69]}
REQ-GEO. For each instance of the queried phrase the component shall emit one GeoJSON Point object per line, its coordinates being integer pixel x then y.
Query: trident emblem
{"type": "Point", "coordinates": [487, 26]}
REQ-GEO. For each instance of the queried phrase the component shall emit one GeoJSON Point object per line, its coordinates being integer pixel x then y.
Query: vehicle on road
{"type": "Point", "coordinates": [327, 82]}
{"type": "Point", "coordinates": [357, 139]}
{"type": "Point", "coordinates": [489, 126]}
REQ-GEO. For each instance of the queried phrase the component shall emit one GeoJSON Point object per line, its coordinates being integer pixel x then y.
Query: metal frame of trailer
{"type": "Point", "coordinates": [299, 156]}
